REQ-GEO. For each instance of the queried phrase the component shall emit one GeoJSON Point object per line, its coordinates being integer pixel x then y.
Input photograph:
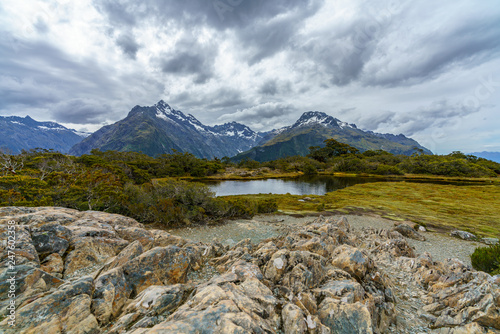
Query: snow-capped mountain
{"type": "Point", "coordinates": [316, 117]}
{"type": "Point", "coordinates": [25, 133]}
{"type": "Point", "coordinates": [160, 128]}
{"type": "Point", "coordinates": [313, 127]}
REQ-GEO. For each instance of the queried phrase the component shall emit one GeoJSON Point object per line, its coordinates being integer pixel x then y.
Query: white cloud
{"type": "Point", "coordinates": [386, 66]}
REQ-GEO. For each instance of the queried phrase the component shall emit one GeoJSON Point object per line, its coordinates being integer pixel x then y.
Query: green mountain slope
{"type": "Point", "coordinates": [297, 139]}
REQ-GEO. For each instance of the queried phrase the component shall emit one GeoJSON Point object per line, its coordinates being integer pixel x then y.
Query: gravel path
{"type": "Point", "coordinates": [439, 245]}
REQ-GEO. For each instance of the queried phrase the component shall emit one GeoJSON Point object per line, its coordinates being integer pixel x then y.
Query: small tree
{"type": "Point", "coordinates": [332, 148]}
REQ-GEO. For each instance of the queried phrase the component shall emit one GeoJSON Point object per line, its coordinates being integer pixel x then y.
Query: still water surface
{"type": "Point", "coordinates": [304, 185]}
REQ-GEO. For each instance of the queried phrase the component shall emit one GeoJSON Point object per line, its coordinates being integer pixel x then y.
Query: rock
{"type": "Point", "coordinates": [26, 253]}
{"type": "Point", "coordinates": [66, 310]}
{"type": "Point", "coordinates": [244, 270]}
{"type": "Point", "coordinates": [30, 284]}
{"type": "Point", "coordinates": [490, 241]}
{"type": "Point", "coordinates": [345, 318]}
{"type": "Point", "coordinates": [128, 253]}
{"type": "Point", "coordinates": [158, 266]}
{"type": "Point", "coordinates": [163, 239]}
{"type": "Point", "coordinates": [53, 264]}
{"type": "Point", "coordinates": [346, 291]}
{"type": "Point", "coordinates": [472, 328]}
{"type": "Point", "coordinates": [353, 261]}
{"type": "Point", "coordinates": [50, 238]}
{"type": "Point", "coordinates": [294, 320]}
{"type": "Point", "coordinates": [111, 293]}
{"type": "Point", "coordinates": [422, 229]}
{"type": "Point", "coordinates": [219, 309]}
{"type": "Point", "coordinates": [277, 265]}
{"type": "Point", "coordinates": [89, 253]}
{"type": "Point", "coordinates": [463, 235]}
{"type": "Point", "coordinates": [158, 299]}
{"type": "Point", "coordinates": [407, 231]}
{"type": "Point", "coordinates": [398, 247]}
{"type": "Point", "coordinates": [134, 233]}
{"type": "Point", "coordinates": [323, 277]}
{"type": "Point", "coordinates": [490, 317]}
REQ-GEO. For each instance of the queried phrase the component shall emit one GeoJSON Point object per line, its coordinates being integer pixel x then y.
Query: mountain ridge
{"type": "Point", "coordinates": [25, 133]}
{"type": "Point", "coordinates": [159, 129]}
{"type": "Point", "coordinates": [313, 127]}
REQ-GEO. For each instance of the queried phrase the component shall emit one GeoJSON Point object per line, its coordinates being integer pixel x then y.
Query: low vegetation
{"type": "Point", "coordinates": [437, 206]}
{"type": "Point", "coordinates": [339, 157]}
{"type": "Point", "coordinates": [487, 259]}
{"type": "Point", "coordinates": [151, 190]}
{"type": "Point", "coordinates": [127, 183]}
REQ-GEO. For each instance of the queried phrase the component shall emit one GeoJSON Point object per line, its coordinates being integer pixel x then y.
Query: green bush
{"type": "Point", "coordinates": [387, 170]}
{"type": "Point", "coordinates": [487, 259]}
{"type": "Point", "coordinates": [267, 206]}
{"type": "Point", "coordinates": [241, 207]}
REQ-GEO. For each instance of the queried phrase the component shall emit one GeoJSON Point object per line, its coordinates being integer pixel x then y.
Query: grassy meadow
{"type": "Point", "coordinates": [438, 207]}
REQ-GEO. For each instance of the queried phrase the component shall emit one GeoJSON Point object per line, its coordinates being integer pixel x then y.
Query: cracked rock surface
{"type": "Point", "coordinates": [93, 272]}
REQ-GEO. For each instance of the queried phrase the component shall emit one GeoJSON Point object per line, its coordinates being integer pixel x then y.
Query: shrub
{"type": "Point", "coordinates": [487, 259]}
{"type": "Point", "coordinates": [241, 207]}
{"type": "Point", "coordinates": [387, 170]}
{"type": "Point", "coordinates": [267, 206]}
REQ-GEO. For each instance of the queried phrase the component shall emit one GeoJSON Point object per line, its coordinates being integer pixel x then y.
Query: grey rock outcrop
{"type": "Point", "coordinates": [115, 276]}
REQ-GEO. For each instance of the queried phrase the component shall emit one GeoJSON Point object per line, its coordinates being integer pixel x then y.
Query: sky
{"type": "Point", "coordinates": [427, 69]}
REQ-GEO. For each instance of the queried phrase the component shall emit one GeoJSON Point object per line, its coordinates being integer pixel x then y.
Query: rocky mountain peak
{"type": "Point", "coordinates": [162, 106]}
{"type": "Point", "coordinates": [316, 117]}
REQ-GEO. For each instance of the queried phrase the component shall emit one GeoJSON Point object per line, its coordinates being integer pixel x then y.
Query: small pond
{"type": "Point", "coordinates": [305, 185]}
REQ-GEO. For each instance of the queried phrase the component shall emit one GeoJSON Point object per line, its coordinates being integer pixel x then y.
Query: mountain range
{"type": "Point", "coordinates": [160, 129]}
{"type": "Point", "coordinates": [24, 133]}
{"type": "Point", "coordinates": [313, 127]}
{"type": "Point", "coordinates": [493, 156]}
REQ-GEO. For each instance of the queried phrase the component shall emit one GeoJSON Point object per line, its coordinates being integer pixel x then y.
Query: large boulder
{"type": "Point", "coordinates": [158, 266]}
{"type": "Point", "coordinates": [345, 318]}
{"type": "Point", "coordinates": [354, 261]}
{"type": "Point", "coordinates": [408, 232]}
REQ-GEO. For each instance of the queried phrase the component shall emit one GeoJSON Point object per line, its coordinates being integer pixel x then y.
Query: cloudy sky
{"type": "Point", "coordinates": [427, 69]}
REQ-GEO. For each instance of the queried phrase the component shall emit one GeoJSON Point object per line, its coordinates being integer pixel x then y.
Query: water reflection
{"type": "Point", "coordinates": [307, 185]}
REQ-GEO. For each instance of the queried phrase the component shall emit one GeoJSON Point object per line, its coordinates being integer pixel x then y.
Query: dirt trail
{"type": "Point", "coordinates": [439, 245]}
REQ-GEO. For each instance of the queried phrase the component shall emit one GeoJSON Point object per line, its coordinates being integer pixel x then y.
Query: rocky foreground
{"type": "Point", "coordinates": [92, 272]}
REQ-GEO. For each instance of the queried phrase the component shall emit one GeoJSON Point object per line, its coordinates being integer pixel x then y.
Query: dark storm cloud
{"type": "Point", "coordinates": [262, 27]}
{"type": "Point", "coordinates": [269, 87]}
{"type": "Point", "coordinates": [224, 98]}
{"type": "Point", "coordinates": [128, 45]}
{"type": "Point", "coordinates": [218, 99]}
{"type": "Point", "coordinates": [80, 111]}
{"type": "Point", "coordinates": [436, 115]}
{"type": "Point", "coordinates": [369, 48]}
{"type": "Point", "coordinates": [219, 14]}
{"type": "Point", "coordinates": [273, 87]}
{"type": "Point", "coordinates": [466, 44]}
{"type": "Point", "coordinates": [189, 57]}
{"type": "Point", "coordinates": [42, 76]}
{"type": "Point", "coordinates": [260, 113]}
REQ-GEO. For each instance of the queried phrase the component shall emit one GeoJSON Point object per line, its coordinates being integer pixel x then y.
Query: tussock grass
{"type": "Point", "coordinates": [442, 207]}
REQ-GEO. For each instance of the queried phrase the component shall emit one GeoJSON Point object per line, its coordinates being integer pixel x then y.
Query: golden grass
{"type": "Point", "coordinates": [442, 207]}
